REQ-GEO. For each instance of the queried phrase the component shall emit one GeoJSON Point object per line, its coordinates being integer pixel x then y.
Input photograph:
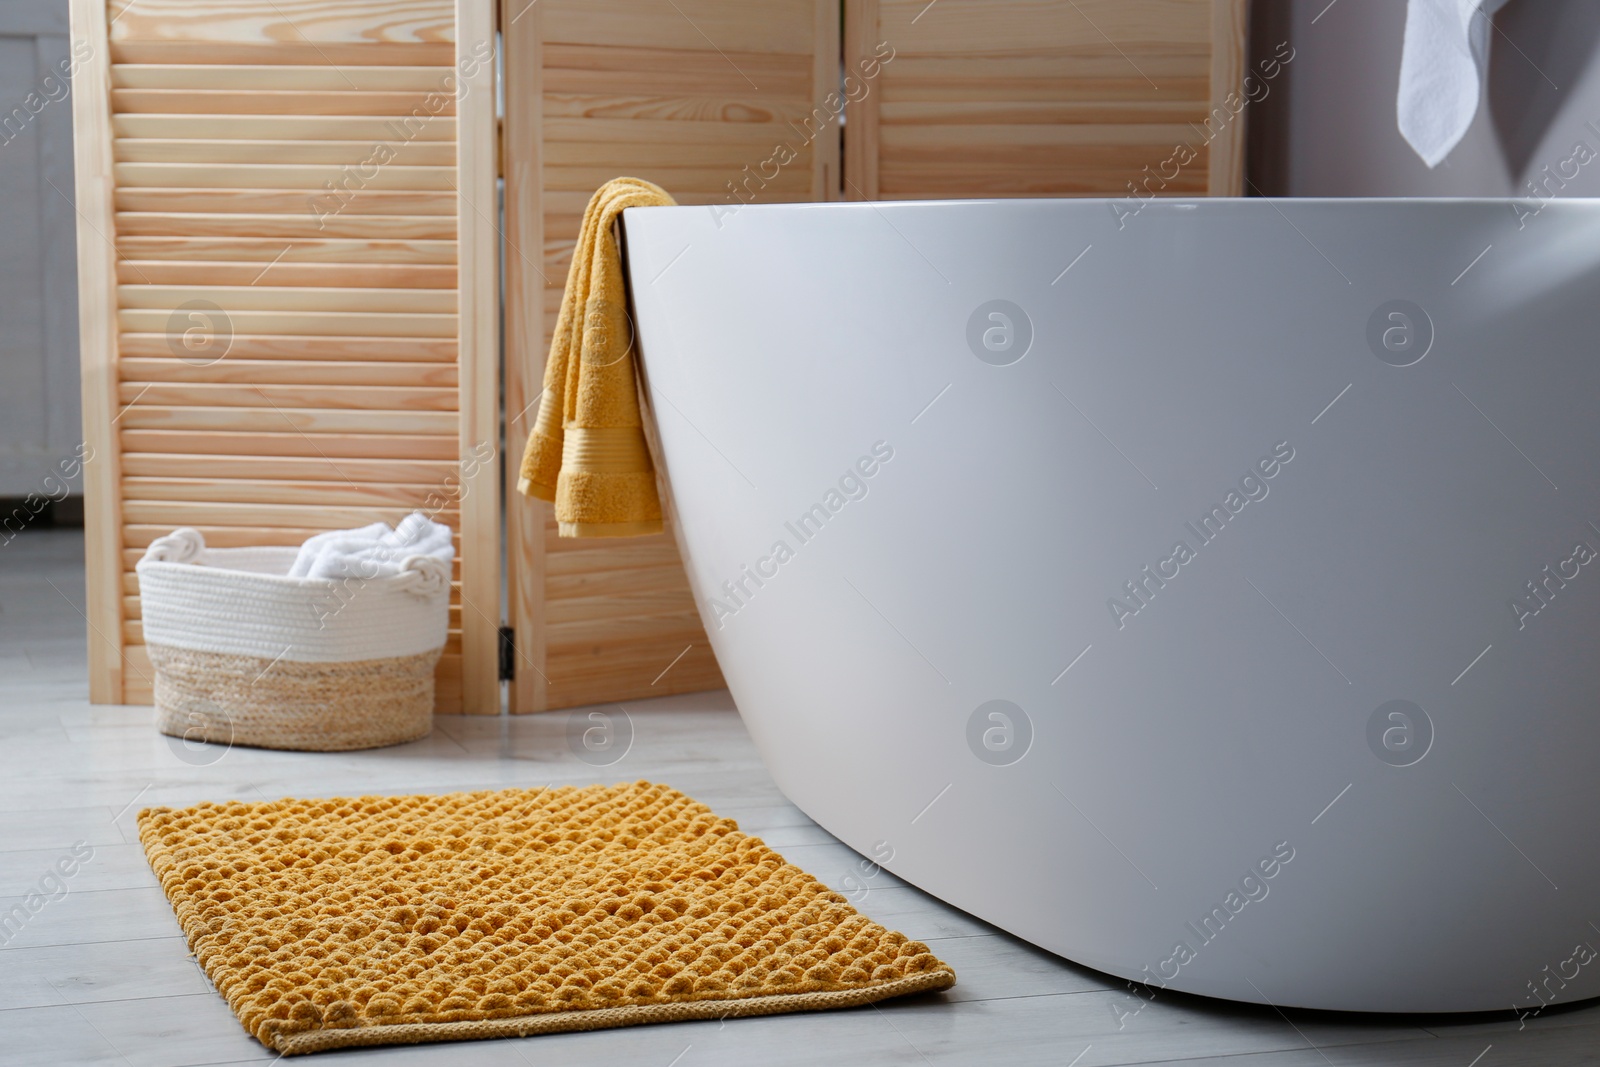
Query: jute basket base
{"type": "Point", "coordinates": [315, 707]}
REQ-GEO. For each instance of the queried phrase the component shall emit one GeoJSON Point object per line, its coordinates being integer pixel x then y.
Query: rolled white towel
{"type": "Point", "coordinates": [1442, 67]}
{"type": "Point", "coordinates": [422, 536]}
{"type": "Point", "coordinates": [349, 541]}
{"type": "Point", "coordinates": [374, 551]}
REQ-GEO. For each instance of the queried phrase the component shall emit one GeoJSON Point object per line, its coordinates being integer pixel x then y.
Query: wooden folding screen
{"type": "Point", "coordinates": [289, 236]}
{"type": "Point", "coordinates": [1044, 98]}
{"type": "Point", "coordinates": [696, 95]}
{"type": "Point", "coordinates": [287, 260]}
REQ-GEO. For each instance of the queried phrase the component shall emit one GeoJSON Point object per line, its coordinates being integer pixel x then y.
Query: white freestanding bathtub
{"type": "Point", "coordinates": [1203, 591]}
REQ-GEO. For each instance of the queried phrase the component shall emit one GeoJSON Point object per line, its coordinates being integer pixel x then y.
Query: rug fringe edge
{"type": "Point", "coordinates": [607, 1018]}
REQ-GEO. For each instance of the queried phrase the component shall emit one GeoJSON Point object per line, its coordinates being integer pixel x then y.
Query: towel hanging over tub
{"type": "Point", "coordinates": [587, 451]}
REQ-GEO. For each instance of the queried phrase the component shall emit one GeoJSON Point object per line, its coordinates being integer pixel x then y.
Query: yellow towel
{"type": "Point", "coordinates": [587, 451]}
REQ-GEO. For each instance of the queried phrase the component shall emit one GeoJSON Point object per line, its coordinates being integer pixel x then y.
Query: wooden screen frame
{"type": "Point", "coordinates": [478, 353]}
{"type": "Point", "coordinates": [478, 293]}
{"type": "Point", "coordinates": [97, 294]}
{"type": "Point", "coordinates": [522, 140]}
{"type": "Point", "coordinates": [1230, 44]}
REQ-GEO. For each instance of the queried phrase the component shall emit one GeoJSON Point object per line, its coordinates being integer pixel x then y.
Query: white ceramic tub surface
{"type": "Point", "coordinates": [1334, 752]}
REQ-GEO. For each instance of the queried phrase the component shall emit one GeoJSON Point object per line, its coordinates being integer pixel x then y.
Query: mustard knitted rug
{"type": "Point", "coordinates": [384, 920]}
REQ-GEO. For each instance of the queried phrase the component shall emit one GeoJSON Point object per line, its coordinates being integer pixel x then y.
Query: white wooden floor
{"type": "Point", "coordinates": [101, 975]}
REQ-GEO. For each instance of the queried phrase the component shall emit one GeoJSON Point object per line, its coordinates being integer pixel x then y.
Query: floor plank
{"type": "Point", "coordinates": [1568, 1047]}
{"type": "Point", "coordinates": [108, 970]}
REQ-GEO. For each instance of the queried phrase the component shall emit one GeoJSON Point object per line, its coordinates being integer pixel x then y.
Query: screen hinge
{"type": "Point", "coordinates": [508, 654]}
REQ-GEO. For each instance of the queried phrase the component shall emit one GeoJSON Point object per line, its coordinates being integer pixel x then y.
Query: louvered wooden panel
{"type": "Point", "coordinates": [693, 95]}
{"type": "Point", "coordinates": [978, 98]}
{"type": "Point", "coordinates": [287, 263]}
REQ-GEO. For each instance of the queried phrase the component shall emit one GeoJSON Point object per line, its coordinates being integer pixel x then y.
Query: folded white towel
{"type": "Point", "coordinates": [1441, 72]}
{"type": "Point", "coordinates": [373, 551]}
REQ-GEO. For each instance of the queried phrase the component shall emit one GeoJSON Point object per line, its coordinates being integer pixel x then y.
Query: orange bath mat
{"type": "Point", "coordinates": [385, 920]}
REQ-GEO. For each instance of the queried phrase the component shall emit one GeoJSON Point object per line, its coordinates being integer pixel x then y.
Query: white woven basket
{"type": "Point", "coordinates": [245, 654]}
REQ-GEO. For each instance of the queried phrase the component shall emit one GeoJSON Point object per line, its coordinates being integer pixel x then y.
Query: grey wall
{"type": "Point", "coordinates": [40, 424]}
{"type": "Point", "coordinates": [1329, 128]}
